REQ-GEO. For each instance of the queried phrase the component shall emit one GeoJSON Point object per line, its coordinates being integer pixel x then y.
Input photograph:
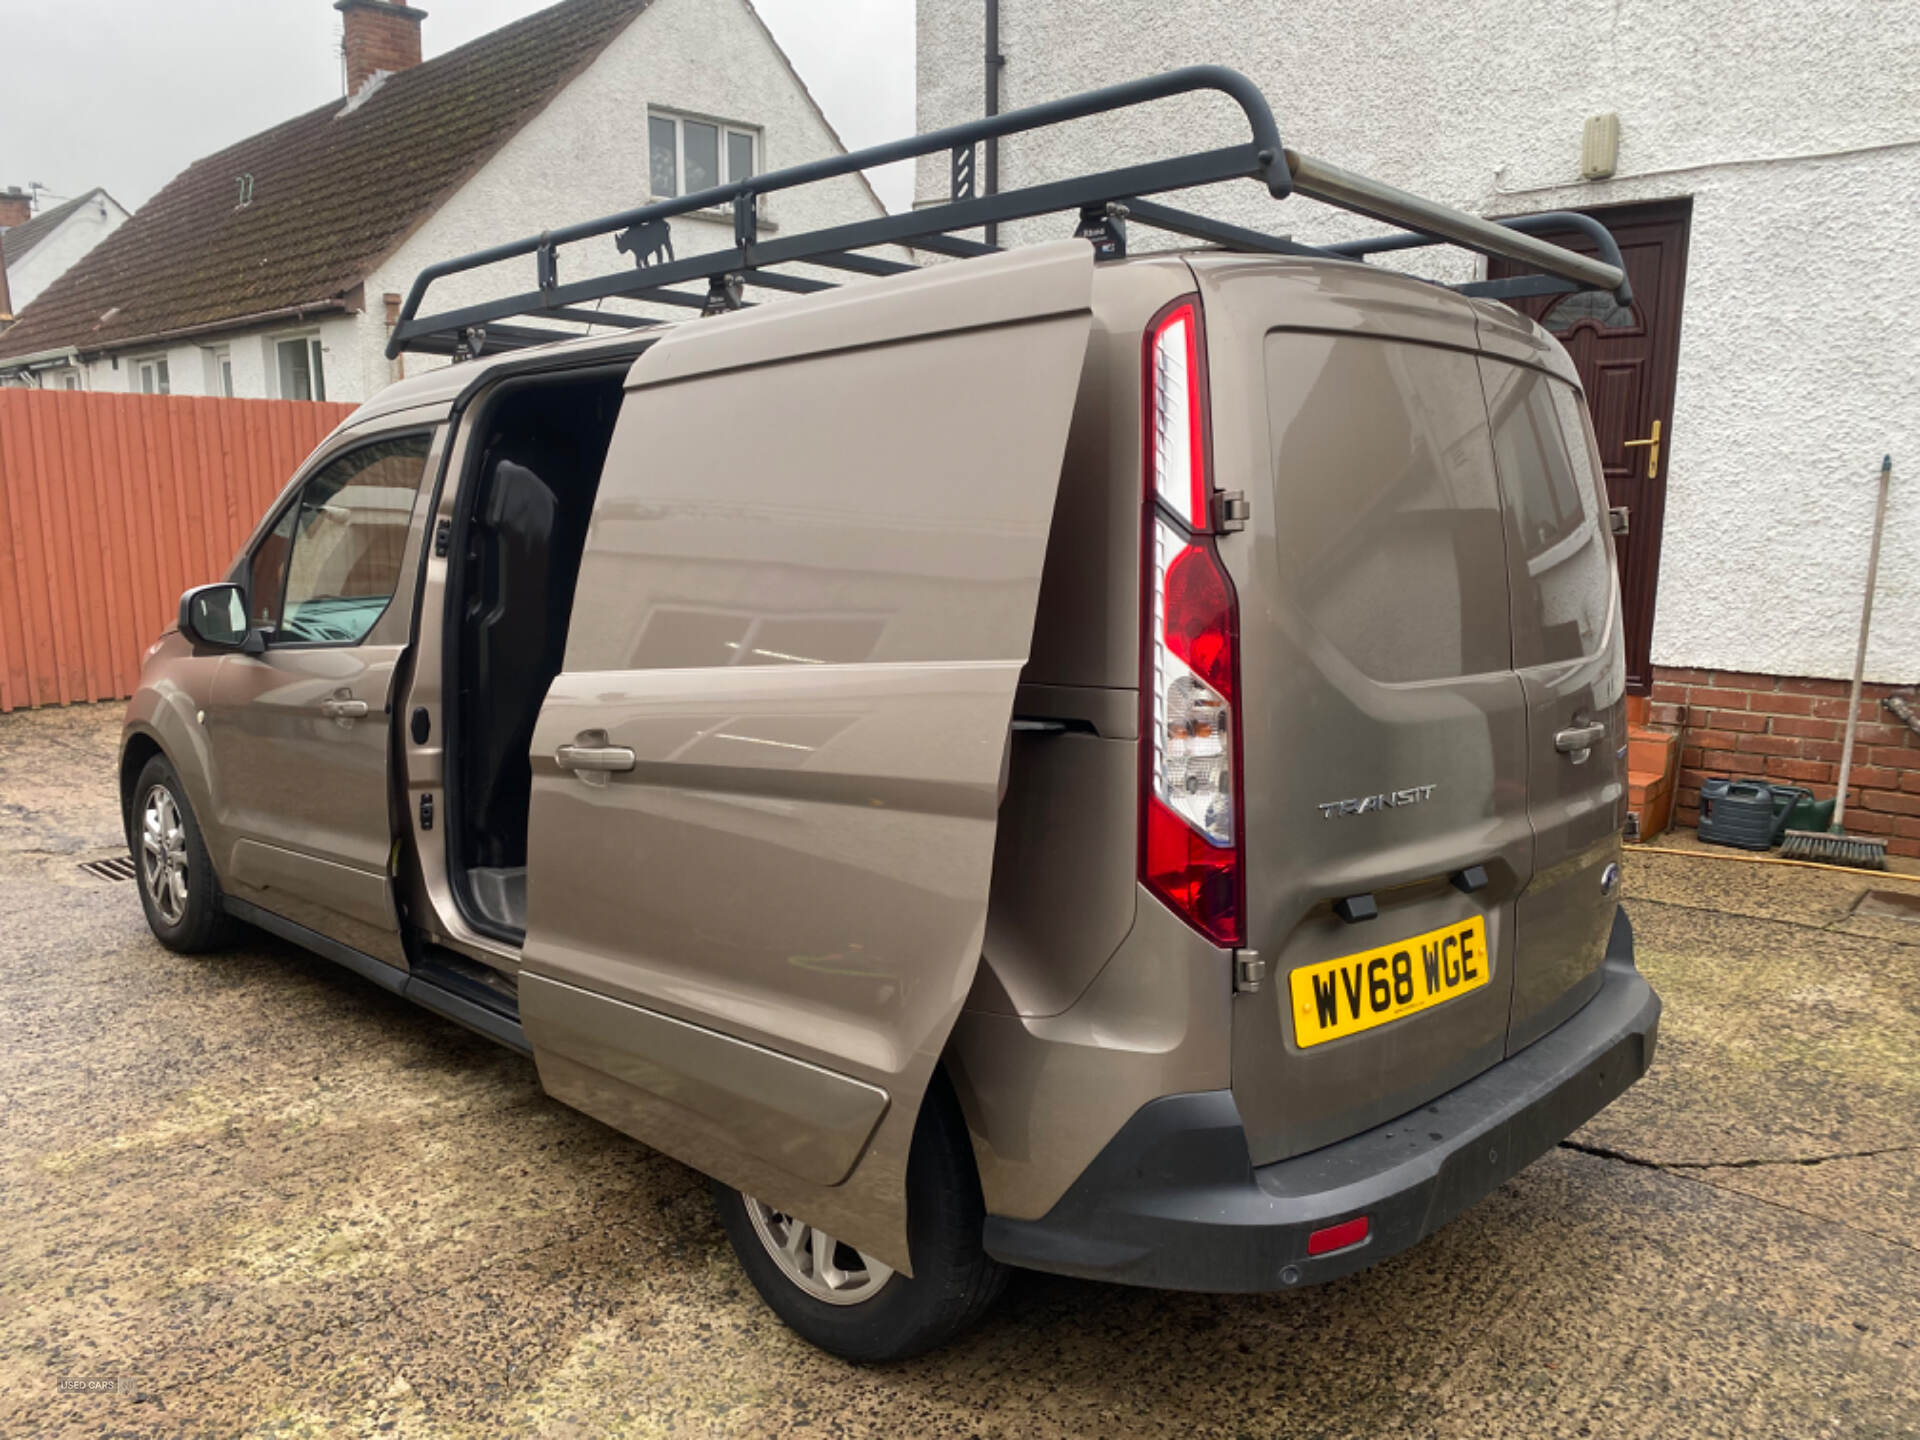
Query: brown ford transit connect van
{"type": "Point", "coordinates": [1098, 762]}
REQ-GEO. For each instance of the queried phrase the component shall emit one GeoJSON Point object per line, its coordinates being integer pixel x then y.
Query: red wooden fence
{"type": "Point", "coordinates": [110, 506]}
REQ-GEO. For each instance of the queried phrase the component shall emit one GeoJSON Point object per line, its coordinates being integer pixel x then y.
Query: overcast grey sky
{"type": "Point", "coordinates": [128, 93]}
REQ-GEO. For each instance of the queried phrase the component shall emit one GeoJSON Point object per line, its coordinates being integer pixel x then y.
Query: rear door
{"type": "Point", "coordinates": [1569, 651]}
{"type": "Point", "coordinates": [765, 784]}
{"type": "Point", "coordinates": [1384, 738]}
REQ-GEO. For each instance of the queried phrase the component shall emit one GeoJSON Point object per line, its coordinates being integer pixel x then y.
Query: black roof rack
{"type": "Point", "coordinates": [1103, 203]}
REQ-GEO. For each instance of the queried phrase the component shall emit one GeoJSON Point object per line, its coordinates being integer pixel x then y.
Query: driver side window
{"type": "Point", "coordinates": [325, 572]}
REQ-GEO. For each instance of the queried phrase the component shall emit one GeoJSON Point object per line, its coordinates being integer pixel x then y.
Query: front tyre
{"type": "Point", "coordinates": [851, 1304]}
{"type": "Point", "coordinates": [178, 889]}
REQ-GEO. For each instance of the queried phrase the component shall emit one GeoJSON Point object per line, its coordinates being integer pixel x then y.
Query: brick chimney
{"type": "Point", "coordinates": [16, 208]}
{"type": "Point", "coordinates": [380, 35]}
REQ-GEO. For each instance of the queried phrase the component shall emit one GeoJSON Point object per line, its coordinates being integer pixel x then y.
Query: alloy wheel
{"type": "Point", "coordinates": [812, 1259]}
{"type": "Point", "coordinates": [163, 854]}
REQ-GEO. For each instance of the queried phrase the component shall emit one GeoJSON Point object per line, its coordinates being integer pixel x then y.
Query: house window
{"type": "Point", "coordinates": [70, 380]}
{"type": "Point", "coordinates": [301, 374]}
{"type": "Point", "coordinates": [690, 155]}
{"type": "Point", "coordinates": [149, 376]}
{"type": "Point", "coordinates": [220, 371]}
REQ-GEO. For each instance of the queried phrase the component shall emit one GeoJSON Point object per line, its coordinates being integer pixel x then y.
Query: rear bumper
{"type": "Point", "coordinates": [1174, 1202]}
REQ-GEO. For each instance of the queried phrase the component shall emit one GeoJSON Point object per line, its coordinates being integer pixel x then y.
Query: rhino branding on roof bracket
{"type": "Point", "coordinates": [650, 243]}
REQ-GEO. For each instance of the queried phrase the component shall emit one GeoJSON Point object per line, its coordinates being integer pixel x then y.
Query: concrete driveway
{"type": "Point", "coordinates": [265, 1198]}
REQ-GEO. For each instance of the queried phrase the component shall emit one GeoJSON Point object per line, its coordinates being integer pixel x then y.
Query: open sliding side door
{"type": "Point", "coordinates": [765, 785]}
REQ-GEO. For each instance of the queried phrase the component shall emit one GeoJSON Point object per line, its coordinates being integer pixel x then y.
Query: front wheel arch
{"type": "Point", "coordinates": [140, 747]}
{"type": "Point", "coordinates": [202, 923]}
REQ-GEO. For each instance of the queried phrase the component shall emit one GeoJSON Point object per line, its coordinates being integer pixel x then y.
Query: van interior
{"type": "Point", "coordinates": [519, 533]}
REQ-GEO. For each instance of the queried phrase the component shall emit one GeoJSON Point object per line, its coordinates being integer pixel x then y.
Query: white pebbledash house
{"type": "Point", "coordinates": [1759, 166]}
{"type": "Point", "coordinates": [36, 249]}
{"type": "Point", "coordinates": [274, 268]}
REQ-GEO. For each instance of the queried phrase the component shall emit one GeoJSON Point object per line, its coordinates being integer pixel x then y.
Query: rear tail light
{"type": "Point", "coordinates": [1176, 448]}
{"type": "Point", "coordinates": [1190, 821]}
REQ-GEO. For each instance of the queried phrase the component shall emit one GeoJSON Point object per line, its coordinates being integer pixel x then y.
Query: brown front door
{"type": "Point", "coordinates": [1627, 360]}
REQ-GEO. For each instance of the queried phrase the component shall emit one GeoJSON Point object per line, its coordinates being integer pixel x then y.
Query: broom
{"type": "Point", "coordinates": [1834, 844]}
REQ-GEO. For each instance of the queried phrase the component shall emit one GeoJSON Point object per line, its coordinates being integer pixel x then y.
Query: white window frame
{"type": "Point", "coordinates": [137, 369]}
{"type": "Point", "coordinates": [316, 366]}
{"type": "Point", "coordinates": [727, 129]}
{"type": "Point", "coordinates": [220, 370]}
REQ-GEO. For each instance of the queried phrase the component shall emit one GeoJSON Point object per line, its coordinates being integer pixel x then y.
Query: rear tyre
{"type": "Point", "coordinates": [178, 888]}
{"type": "Point", "coordinates": [852, 1305]}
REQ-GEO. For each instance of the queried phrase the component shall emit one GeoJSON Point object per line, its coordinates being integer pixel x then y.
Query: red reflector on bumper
{"type": "Point", "coordinates": [1338, 1237]}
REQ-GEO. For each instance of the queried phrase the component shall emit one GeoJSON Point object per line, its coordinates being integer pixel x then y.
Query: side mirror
{"type": "Point", "coordinates": [216, 615]}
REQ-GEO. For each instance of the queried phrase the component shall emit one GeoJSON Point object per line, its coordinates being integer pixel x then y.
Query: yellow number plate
{"type": "Point", "coordinates": [1358, 992]}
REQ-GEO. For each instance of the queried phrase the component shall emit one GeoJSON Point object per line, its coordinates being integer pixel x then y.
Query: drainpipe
{"type": "Point", "coordinates": [994, 61]}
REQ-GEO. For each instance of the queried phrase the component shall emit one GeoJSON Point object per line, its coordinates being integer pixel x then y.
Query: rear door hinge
{"type": "Point", "coordinates": [1231, 510]}
{"type": "Point", "coordinates": [1249, 972]}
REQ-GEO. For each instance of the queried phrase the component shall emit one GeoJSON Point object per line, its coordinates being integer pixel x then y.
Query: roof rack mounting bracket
{"type": "Point", "coordinates": [1106, 226]}
{"type": "Point", "coordinates": [723, 293]}
{"type": "Point", "coordinates": [746, 219]}
{"type": "Point", "coordinates": [547, 266]}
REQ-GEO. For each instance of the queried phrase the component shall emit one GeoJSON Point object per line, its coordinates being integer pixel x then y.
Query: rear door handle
{"type": "Point", "coordinates": [1577, 741]}
{"type": "Point", "coordinates": [343, 709]}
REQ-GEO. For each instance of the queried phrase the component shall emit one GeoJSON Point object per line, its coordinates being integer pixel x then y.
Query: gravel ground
{"type": "Point", "coordinates": [264, 1198]}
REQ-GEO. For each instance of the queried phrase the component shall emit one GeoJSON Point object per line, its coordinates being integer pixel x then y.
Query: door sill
{"type": "Point", "coordinates": [470, 980]}
{"type": "Point", "coordinates": [434, 985]}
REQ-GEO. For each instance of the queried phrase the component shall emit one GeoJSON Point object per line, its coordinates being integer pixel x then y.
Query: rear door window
{"type": "Point", "coordinates": [1389, 529]}
{"type": "Point", "coordinates": [1562, 574]}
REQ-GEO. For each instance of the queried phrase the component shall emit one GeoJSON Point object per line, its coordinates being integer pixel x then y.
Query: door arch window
{"type": "Point", "coordinates": [1589, 307]}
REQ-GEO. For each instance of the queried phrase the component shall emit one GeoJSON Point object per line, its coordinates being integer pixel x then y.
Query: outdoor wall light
{"type": "Point", "coordinates": [1600, 147]}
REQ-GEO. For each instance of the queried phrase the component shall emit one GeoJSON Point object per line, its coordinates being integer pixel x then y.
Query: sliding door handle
{"type": "Point", "coordinates": [592, 759]}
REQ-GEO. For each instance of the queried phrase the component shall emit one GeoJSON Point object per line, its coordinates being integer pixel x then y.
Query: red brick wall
{"type": "Point", "coordinates": [1780, 727]}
